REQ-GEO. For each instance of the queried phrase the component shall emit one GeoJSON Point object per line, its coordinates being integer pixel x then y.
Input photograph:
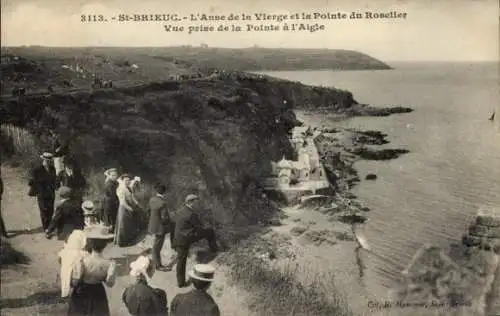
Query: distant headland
{"type": "Point", "coordinates": [248, 59]}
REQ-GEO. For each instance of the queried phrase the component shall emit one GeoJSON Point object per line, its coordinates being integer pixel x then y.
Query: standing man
{"type": "Point", "coordinates": [159, 224]}
{"type": "Point", "coordinates": [43, 185]}
{"type": "Point", "coordinates": [110, 202]}
{"type": "Point", "coordinates": [188, 230]}
{"type": "Point", "coordinates": [3, 231]}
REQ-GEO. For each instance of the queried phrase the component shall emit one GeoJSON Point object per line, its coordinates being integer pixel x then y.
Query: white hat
{"type": "Point", "coordinates": [88, 207]}
{"type": "Point", "coordinates": [98, 232]}
{"type": "Point", "coordinates": [110, 170]}
{"type": "Point", "coordinates": [202, 272]}
{"type": "Point", "coordinates": [47, 156]}
{"type": "Point", "coordinates": [191, 197]}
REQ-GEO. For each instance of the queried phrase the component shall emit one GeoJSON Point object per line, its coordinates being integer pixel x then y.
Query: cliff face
{"type": "Point", "coordinates": [215, 135]}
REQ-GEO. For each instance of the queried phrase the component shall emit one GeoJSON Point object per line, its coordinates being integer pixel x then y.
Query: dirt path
{"type": "Point", "coordinates": [32, 289]}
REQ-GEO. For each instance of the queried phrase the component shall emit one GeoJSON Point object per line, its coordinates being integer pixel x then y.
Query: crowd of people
{"type": "Point", "coordinates": [87, 231]}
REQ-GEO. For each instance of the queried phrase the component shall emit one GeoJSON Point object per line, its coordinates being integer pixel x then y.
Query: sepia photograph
{"type": "Point", "coordinates": [250, 158]}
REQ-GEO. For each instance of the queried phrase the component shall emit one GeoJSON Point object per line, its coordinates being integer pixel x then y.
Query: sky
{"type": "Point", "coordinates": [439, 30]}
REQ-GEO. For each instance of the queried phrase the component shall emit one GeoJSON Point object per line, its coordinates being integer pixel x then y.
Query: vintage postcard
{"type": "Point", "coordinates": [320, 158]}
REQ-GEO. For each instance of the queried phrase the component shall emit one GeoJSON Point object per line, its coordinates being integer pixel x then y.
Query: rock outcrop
{"type": "Point", "coordinates": [465, 277]}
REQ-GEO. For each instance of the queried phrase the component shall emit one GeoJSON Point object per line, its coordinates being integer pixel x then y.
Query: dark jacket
{"type": "Point", "coordinates": [159, 219]}
{"type": "Point", "coordinates": [43, 183]}
{"type": "Point", "coordinates": [68, 217]}
{"type": "Point", "coordinates": [76, 181]}
{"type": "Point", "coordinates": [110, 198]}
{"type": "Point", "coordinates": [142, 300]}
{"type": "Point", "coordinates": [194, 303]}
{"type": "Point", "coordinates": [187, 224]}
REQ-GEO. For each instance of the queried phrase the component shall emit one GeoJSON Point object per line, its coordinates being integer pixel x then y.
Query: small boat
{"type": "Point", "coordinates": [492, 118]}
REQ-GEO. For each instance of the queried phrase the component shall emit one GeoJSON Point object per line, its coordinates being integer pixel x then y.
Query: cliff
{"type": "Point", "coordinates": [212, 133]}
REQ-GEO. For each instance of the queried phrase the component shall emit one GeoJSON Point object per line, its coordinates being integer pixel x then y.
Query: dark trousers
{"type": "Point", "coordinates": [109, 214]}
{"type": "Point", "coordinates": [46, 206]}
{"type": "Point", "coordinates": [156, 251]}
{"type": "Point", "coordinates": [3, 231]}
{"type": "Point", "coordinates": [171, 228]}
{"type": "Point", "coordinates": [183, 253]}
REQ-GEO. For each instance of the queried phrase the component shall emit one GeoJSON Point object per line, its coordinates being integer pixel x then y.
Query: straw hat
{"type": "Point", "coordinates": [202, 272]}
{"type": "Point", "coordinates": [98, 232]}
{"type": "Point", "coordinates": [88, 208]}
{"type": "Point", "coordinates": [107, 172]}
{"type": "Point", "coordinates": [190, 198]}
{"type": "Point", "coordinates": [46, 156]}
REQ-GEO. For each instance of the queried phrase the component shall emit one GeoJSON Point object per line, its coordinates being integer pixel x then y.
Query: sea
{"type": "Point", "coordinates": [430, 195]}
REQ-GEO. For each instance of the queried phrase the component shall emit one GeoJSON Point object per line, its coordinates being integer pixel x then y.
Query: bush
{"type": "Point", "coordinates": [18, 144]}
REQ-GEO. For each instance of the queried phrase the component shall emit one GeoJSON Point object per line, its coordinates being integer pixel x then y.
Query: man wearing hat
{"type": "Point", "coordinates": [43, 185]}
{"type": "Point", "coordinates": [188, 230]}
{"type": "Point", "coordinates": [68, 216]}
{"type": "Point", "coordinates": [159, 224]}
{"type": "Point", "coordinates": [197, 301]}
{"type": "Point", "coordinates": [110, 201]}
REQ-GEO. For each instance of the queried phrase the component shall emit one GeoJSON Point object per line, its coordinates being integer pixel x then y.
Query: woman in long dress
{"type": "Point", "coordinates": [89, 275]}
{"type": "Point", "coordinates": [127, 228]}
{"type": "Point", "coordinates": [110, 201]}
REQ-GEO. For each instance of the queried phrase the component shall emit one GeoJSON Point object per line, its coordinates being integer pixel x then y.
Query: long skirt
{"type": "Point", "coordinates": [89, 300]}
{"type": "Point", "coordinates": [129, 228]}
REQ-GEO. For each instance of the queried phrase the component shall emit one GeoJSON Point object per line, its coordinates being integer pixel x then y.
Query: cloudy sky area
{"type": "Point", "coordinates": [433, 30]}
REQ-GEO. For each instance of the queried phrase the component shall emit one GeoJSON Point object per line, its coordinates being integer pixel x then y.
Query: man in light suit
{"type": "Point", "coordinates": [159, 224]}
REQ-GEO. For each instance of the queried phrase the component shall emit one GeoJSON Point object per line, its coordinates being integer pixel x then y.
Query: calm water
{"type": "Point", "coordinates": [429, 195]}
